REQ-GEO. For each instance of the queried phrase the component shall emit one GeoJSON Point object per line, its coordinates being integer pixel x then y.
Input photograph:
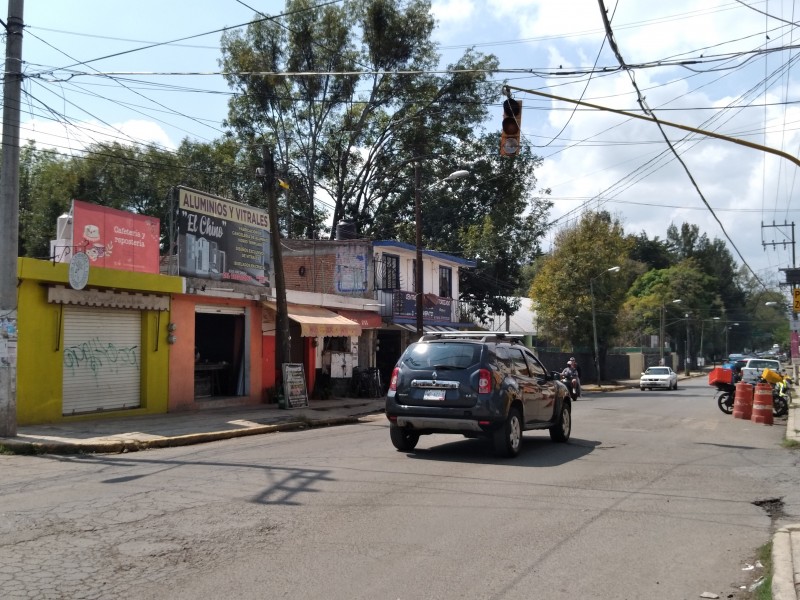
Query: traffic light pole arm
{"type": "Point", "coordinates": [712, 134]}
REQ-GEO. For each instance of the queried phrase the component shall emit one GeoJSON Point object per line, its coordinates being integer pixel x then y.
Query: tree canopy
{"type": "Point", "coordinates": [577, 266]}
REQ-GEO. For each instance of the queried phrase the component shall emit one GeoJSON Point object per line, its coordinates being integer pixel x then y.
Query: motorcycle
{"type": "Point", "coordinates": [724, 397]}
{"type": "Point", "coordinates": [781, 393]}
{"type": "Point", "coordinates": [573, 386]}
{"type": "Point", "coordinates": [780, 398]}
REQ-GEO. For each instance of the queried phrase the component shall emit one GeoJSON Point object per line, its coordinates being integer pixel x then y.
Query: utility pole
{"type": "Point", "coordinates": [793, 322]}
{"type": "Point", "coordinates": [418, 280]}
{"type": "Point", "coordinates": [9, 217]}
{"type": "Point", "coordinates": [283, 348]}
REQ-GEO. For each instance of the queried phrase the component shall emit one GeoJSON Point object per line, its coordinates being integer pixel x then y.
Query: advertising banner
{"type": "Point", "coordinates": [115, 239]}
{"type": "Point", "coordinates": [221, 239]}
{"type": "Point", "coordinates": [434, 308]}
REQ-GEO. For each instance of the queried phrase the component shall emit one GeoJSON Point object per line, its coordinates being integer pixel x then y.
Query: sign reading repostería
{"type": "Point", "coordinates": [221, 239]}
{"type": "Point", "coordinates": [115, 239]}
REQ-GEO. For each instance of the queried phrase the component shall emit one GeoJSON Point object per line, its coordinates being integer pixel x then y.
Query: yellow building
{"type": "Point", "coordinates": [100, 350]}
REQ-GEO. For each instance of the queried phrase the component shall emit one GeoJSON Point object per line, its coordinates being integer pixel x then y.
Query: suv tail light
{"type": "Point", "coordinates": [393, 383]}
{"type": "Point", "coordinates": [484, 381]}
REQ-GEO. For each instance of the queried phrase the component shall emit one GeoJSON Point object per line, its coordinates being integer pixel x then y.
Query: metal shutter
{"type": "Point", "coordinates": [102, 359]}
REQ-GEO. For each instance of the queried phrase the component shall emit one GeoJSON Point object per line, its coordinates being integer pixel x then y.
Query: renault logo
{"type": "Point", "coordinates": [434, 375]}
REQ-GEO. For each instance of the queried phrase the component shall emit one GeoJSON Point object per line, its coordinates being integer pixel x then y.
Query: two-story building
{"type": "Point", "coordinates": [395, 292]}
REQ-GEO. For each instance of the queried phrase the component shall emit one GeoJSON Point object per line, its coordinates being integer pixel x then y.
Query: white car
{"type": "Point", "coordinates": [659, 377]}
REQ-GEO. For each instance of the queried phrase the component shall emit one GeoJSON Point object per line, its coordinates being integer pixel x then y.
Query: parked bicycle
{"type": "Point", "coordinates": [367, 383]}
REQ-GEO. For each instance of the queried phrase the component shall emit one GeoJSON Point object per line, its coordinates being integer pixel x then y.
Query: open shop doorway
{"type": "Point", "coordinates": [219, 355]}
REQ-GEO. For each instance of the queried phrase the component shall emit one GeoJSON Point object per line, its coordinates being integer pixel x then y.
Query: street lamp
{"type": "Point", "coordinates": [686, 351]}
{"type": "Point", "coordinates": [661, 331]}
{"type": "Point", "coordinates": [714, 333]}
{"type": "Point", "coordinates": [727, 329]}
{"type": "Point", "coordinates": [594, 321]}
{"type": "Point", "coordinates": [418, 227]}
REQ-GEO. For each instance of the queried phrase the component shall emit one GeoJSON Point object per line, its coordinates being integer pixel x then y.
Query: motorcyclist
{"type": "Point", "coordinates": [572, 374]}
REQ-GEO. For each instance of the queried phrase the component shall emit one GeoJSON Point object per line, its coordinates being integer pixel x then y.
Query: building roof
{"type": "Point", "coordinates": [462, 262]}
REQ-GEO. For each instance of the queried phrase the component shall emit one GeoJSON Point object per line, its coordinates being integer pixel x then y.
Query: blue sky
{"type": "Point", "coordinates": [592, 159]}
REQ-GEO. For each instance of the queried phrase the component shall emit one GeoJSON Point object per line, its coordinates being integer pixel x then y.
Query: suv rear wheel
{"type": "Point", "coordinates": [403, 439]}
{"type": "Point", "coordinates": [508, 438]}
{"type": "Point", "coordinates": [560, 432]}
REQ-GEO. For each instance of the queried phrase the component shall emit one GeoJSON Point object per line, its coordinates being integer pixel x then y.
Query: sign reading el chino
{"type": "Point", "coordinates": [222, 239]}
{"type": "Point", "coordinates": [115, 239]}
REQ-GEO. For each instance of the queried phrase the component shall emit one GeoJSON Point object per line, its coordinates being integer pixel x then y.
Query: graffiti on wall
{"type": "Point", "coordinates": [351, 270]}
{"type": "Point", "coordinates": [97, 357]}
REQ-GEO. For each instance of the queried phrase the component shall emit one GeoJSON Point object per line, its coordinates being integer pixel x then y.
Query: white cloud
{"type": "Point", "coordinates": [452, 11]}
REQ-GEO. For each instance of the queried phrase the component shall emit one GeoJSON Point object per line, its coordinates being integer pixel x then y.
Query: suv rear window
{"type": "Point", "coordinates": [445, 354]}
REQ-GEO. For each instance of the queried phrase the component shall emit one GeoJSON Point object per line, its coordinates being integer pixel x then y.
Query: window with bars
{"type": "Point", "coordinates": [445, 282]}
{"type": "Point", "coordinates": [388, 276]}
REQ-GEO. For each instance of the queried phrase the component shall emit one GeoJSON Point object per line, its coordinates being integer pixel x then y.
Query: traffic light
{"type": "Point", "coordinates": [512, 119]}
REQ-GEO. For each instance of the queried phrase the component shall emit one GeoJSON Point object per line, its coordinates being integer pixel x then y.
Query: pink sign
{"type": "Point", "coordinates": [115, 239]}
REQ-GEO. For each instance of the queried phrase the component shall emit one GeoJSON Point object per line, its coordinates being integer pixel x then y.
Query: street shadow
{"type": "Point", "coordinates": [535, 452]}
{"type": "Point", "coordinates": [286, 484]}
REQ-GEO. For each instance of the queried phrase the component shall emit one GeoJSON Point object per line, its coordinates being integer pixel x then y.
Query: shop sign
{"type": "Point", "coordinates": [115, 239]}
{"type": "Point", "coordinates": [221, 239]}
{"type": "Point", "coordinates": [294, 386]}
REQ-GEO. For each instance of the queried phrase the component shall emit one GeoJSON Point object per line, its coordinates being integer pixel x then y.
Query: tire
{"type": "Point", "coordinates": [403, 439]}
{"type": "Point", "coordinates": [561, 431]}
{"type": "Point", "coordinates": [508, 438]}
{"type": "Point", "coordinates": [724, 403]}
{"type": "Point", "coordinates": [780, 407]}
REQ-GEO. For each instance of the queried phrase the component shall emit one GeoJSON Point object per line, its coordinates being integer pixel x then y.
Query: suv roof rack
{"type": "Point", "coordinates": [483, 336]}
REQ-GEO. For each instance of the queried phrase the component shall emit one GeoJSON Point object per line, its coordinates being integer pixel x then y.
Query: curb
{"type": "Point", "coordinates": [117, 446]}
{"type": "Point", "coordinates": [783, 586]}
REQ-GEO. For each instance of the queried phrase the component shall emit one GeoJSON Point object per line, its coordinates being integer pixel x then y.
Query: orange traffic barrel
{"type": "Point", "coordinates": [762, 404]}
{"type": "Point", "coordinates": [743, 401]}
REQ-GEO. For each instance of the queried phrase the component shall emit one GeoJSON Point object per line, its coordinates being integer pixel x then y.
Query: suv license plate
{"type": "Point", "coordinates": [433, 395]}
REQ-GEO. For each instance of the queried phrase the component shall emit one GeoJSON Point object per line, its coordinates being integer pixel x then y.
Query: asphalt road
{"type": "Point", "coordinates": [653, 498]}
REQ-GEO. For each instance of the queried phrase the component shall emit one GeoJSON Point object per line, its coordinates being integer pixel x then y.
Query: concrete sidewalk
{"type": "Point", "coordinates": [786, 541]}
{"type": "Point", "coordinates": [127, 434]}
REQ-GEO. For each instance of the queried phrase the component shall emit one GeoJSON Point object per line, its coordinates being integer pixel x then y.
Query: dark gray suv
{"type": "Point", "coordinates": [474, 384]}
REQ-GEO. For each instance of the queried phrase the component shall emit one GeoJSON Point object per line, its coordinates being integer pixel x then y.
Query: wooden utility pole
{"type": "Point", "coordinates": [418, 274]}
{"type": "Point", "coordinates": [283, 348]}
{"type": "Point", "coordinates": [9, 217]}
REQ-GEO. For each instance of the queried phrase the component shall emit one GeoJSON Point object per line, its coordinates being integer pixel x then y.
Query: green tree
{"type": "Point", "coordinates": [324, 87]}
{"type": "Point", "coordinates": [46, 179]}
{"type": "Point", "coordinates": [654, 254]}
{"type": "Point", "coordinates": [128, 178]}
{"type": "Point", "coordinates": [561, 292]}
{"type": "Point", "coordinates": [713, 258]}
{"type": "Point", "coordinates": [652, 297]}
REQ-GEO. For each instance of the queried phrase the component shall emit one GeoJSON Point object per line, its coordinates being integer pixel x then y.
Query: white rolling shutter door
{"type": "Point", "coordinates": [102, 359]}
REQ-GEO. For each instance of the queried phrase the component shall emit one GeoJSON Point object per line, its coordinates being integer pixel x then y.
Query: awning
{"type": "Point", "coordinates": [366, 318]}
{"type": "Point", "coordinates": [315, 321]}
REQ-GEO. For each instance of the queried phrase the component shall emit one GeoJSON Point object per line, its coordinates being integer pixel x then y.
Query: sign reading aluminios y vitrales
{"type": "Point", "coordinates": [221, 239]}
